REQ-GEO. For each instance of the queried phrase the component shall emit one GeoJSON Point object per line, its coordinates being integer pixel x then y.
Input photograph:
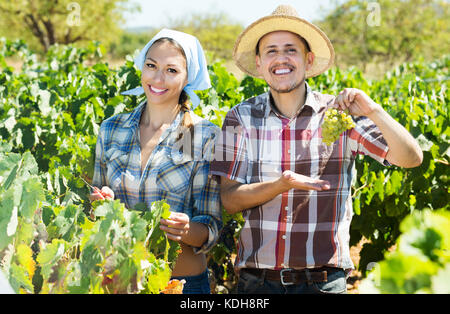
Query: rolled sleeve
{"type": "Point", "coordinates": [99, 178]}
{"type": "Point", "coordinates": [207, 205]}
{"type": "Point", "coordinates": [367, 139]}
{"type": "Point", "coordinates": [231, 160]}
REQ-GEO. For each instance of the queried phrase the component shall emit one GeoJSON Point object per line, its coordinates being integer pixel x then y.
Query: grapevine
{"type": "Point", "coordinates": [334, 124]}
{"type": "Point", "coordinates": [50, 113]}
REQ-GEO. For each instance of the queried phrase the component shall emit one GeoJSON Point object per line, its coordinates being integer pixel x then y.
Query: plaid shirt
{"type": "Point", "coordinates": [183, 181]}
{"type": "Point", "coordinates": [297, 229]}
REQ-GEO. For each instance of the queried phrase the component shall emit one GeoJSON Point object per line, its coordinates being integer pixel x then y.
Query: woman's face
{"type": "Point", "coordinates": [164, 74]}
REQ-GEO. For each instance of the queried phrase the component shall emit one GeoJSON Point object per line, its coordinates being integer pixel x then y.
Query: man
{"type": "Point", "coordinates": [293, 190]}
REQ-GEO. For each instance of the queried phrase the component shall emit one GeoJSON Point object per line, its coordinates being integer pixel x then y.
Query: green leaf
{"type": "Point", "coordinates": [103, 208]}
{"type": "Point", "coordinates": [424, 143]}
{"type": "Point", "coordinates": [32, 197]}
{"type": "Point", "coordinates": [379, 185]}
{"type": "Point", "coordinates": [49, 256]}
{"type": "Point", "coordinates": [11, 177]}
{"type": "Point", "coordinates": [25, 259]}
{"type": "Point", "coordinates": [64, 224]}
{"type": "Point", "coordinates": [44, 102]}
{"type": "Point", "coordinates": [25, 231]}
{"type": "Point", "coordinates": [157, 209]}
{"type": "Point", "coordinates": [357, 206]}
{"type": "Point", "coordinates": [137, 225]}
{"type": "Point", "coordinates": [90, 259]}
{"type": "Point", "coordinates": [415, 274]}
{"type": "Point", "coordinates": [158, 278]}
{"type": "Point", "coordinates": [20, 278]}
{"type": "Point", "coordinates": [166, 212]}
{"type": "Point", "coordinates": [142, 207]}
{"type": "Point", "coordinates": [9, 201]}
{"type": "Point", "coordinates": [440, 283]}
{"type": "Point", "coordinates": [127, 274]}
{"type": "Point", "coordinates": [396, 181]}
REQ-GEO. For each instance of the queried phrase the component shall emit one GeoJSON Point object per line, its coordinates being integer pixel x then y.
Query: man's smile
{"type": "Point", "coordinates": [282, 70]}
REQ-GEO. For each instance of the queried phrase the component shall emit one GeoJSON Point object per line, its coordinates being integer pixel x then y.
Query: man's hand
{"type": "Point", "coordinates": [293, 180]}
{"type": "Point", "coordinates": [237, 197]}
{"type": "Point", "coordinates": [404, 151]}
{"type": "Point", "coordinates": [356, 101]}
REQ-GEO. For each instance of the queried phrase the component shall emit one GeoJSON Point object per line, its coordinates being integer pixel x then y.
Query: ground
{"type": "Point", "coordinates": [355, 277]}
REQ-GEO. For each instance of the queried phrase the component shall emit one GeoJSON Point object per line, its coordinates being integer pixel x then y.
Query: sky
{"type": "Point", "coordinates": [159, 13]}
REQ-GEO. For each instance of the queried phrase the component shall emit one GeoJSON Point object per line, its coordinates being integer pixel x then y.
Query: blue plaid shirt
{"type": "Point", "coordinates": [180, 177]}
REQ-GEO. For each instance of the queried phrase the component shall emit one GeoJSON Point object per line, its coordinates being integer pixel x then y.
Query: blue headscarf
{"type": "Point", "coordinates": [198, 78]}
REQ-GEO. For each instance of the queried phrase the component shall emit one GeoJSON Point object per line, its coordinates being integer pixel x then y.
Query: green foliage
{"type": "Point", "coordinates": [50, 114]}
{"type": "Point", "coordinates": [53, 108]}
{"type": "Point", "coordinates": [128, 42]}
{"type": "Point", "coordinates": [47, 247]}
{"type": "Point", "coordinates": [421, 262]}
{"type": "Point", "coordinates": [217, 32]}
{"type": "Point", "coordinates": [389, 32]}
{"type": "Point", "coordinates": [416, 96]}
{"type": "Point", "coordinates": [221, 258]}
{"type": "Point", "coordinates": [45, 23]}
{"type": "Point", "coordinates": [225, 93]}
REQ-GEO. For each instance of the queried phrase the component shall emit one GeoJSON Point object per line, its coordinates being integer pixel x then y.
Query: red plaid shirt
{"type": "Point", "coordinates": [296, 229]}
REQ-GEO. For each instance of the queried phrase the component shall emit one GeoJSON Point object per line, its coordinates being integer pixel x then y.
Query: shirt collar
{"type": "Point", "coordinates": [311, 101]}
{"type": "Point", "coordinates": [135, 117]}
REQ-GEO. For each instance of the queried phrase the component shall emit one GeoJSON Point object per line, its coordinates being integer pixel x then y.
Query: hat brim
{"type": "Point", "coordinates": [244, 52]}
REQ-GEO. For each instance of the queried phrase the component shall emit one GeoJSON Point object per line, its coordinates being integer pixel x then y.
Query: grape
{"type": "Point", "coordinates": [334, 124]}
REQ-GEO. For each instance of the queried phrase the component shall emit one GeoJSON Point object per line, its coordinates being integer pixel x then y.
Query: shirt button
{"type": "Point", "coordinates": [286, 208]}
{"type": "Point", "coordinates": [284, 237]}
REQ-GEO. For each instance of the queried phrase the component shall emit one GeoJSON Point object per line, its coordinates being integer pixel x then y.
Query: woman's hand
{"type": "Point", "coordinates": [176, 227]}
{"type": "Point", "coordinates": [104, 193]}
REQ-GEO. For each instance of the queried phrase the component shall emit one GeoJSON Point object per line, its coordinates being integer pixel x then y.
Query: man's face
{"type": "Point", "coordinates": [283, 61]}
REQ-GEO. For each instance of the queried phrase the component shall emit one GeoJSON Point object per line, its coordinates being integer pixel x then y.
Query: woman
{"type": "Point", "coordinates": [162, 150]}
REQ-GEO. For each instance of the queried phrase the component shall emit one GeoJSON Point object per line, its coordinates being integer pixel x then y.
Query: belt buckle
{"type": "Point", "coordinates": [284, 283]}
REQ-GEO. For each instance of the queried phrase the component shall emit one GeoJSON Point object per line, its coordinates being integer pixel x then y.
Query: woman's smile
{"type": "Point", "coordinates": [157, 91]}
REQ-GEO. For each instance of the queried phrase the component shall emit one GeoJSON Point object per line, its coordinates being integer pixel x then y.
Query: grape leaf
{"type": "Point", "coordinates": [25, 259]}
{"type": "Point", "coordinates": [49, 256]}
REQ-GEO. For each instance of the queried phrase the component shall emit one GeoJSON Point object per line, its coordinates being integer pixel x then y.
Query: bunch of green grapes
{"type": "Point", "coordinates": [334, 124]}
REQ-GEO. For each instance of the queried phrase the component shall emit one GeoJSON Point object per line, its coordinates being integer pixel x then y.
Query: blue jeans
{"type": "Point", "coordinates": [198, 284]}
{"type": "Point", "coordinates": [251, 284]}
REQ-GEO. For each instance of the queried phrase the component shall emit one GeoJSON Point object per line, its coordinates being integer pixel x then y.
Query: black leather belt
{"type": "Point", "coordinates": [289, 276]}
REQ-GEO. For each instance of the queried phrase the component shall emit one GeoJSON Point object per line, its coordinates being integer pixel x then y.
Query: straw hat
{"type": "Point", "coordinates": [284, 18]}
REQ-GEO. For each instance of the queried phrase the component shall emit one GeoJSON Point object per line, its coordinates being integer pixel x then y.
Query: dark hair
{"type": "Point", "coordinates": [183, 101]}
{"type": "Point", "coordinates": [303, 40]}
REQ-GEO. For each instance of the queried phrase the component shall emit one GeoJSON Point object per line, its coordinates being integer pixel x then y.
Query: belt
{"type": "Point", "coordinates": [290, 276]}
